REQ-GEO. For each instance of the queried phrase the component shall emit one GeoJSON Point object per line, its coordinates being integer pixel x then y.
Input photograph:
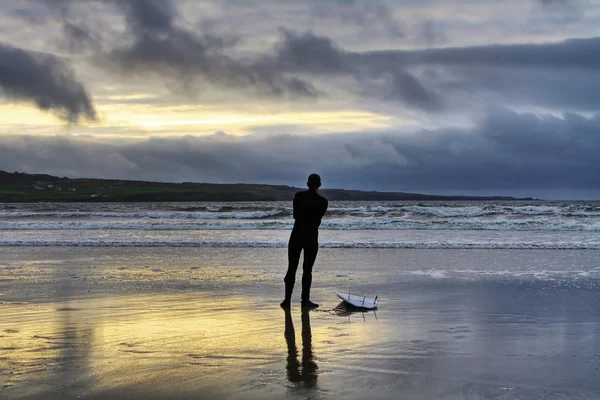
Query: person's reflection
{"type": "Point", "coordinates": [305, 371]}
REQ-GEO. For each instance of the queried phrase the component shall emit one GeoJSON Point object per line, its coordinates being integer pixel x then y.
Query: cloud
{"type": "Point", "coordinates": [77, 38]}
{"type": "Point", "coordinates": [149, 15]}
{"type": "Point", "coordinates": [560, 75]}
{"type": "Point", "coordinates": [431, 33]}
{"type": "Point", "coordinates": [158, 42]}
{"type": "Point", "coordinates": [367, 14]}
{"type": "Point", "coordinates": [318, 55]}
{"type": "Point", "coordinates": [44, 80]}
{"type": "Point", "coordinates": [79, 30]}
{"type": "Point", "coordinates": [506, 151]}
{"type": "Point", "coordinates": [309, 53]}
{"type": "Point", "coordinates": [159, 46]}
{"type": "Point", "coordinates": [563, 10]}
{"type": "Point", "coordinates": [572, 53]}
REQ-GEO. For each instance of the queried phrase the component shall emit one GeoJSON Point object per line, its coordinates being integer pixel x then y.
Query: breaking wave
{"type": "Point", "coordinates": [539, 224]}
{"type": "Point", "coordinates": [281, 244]}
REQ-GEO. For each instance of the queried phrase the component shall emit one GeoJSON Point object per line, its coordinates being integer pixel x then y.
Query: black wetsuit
{"type": "Point", "coordinates": [309, 208]}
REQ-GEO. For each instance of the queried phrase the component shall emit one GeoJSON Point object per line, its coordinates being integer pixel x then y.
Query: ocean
{"type": "Point", "coordinates": [382, 224]}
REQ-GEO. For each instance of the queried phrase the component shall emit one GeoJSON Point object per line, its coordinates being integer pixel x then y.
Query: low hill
{"type": "Point", "coordinates": [21, 187]}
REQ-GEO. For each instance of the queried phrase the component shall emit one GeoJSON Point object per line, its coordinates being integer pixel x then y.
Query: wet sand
{"type": "Point", "coordinates": [205, 324]}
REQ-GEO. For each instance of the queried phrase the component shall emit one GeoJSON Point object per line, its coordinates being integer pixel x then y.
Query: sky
{"type": "Point", "coordinates": [444, 97]}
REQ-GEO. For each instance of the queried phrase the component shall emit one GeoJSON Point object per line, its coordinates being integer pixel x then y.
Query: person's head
{"type": "Point", "coordinates": [314, 182]}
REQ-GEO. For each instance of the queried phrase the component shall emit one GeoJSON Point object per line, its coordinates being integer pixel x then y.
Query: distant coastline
{"type": "Point", "coordinates": [19, 187]}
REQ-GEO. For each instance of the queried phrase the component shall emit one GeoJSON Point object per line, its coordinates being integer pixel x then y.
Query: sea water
{"type": "Point", "coordinates": [380, 224]}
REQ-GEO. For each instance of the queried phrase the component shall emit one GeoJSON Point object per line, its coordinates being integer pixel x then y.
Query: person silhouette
{"type": "Point", "coordinates": [309, 208]}
{"type": "Point", "coordinates": [306, 371]}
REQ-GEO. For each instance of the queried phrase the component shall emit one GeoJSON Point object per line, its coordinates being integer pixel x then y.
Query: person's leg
{"type": "Point", "coordinates": [310, 255]}
{"type": "Point", "coordinates": [294, 250]}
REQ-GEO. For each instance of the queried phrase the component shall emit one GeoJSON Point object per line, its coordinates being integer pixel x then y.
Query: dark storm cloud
{"type": "Point", "coordinates": [44, 80]}
{"type": "Point", "coordinates": [572, 53]}
{"type": "Point", "coordinates": [159, 46]}
{"type": "Point", "coordinates": [149, 15]}
{"type": "Point", "coordinates": [318, 55]}
{"type": "Point", "coordinates": [505, 150]}
{"type": "Point", "coordinates": [404, 85]}
{"type": "Point", "coordinates": [561, 75]}
{"type": "Point", "coordinates": [309, 53]}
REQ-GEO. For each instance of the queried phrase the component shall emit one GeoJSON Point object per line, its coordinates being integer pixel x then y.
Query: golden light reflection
{"type": "Point", "coordinates": [119, 340]}
{"type": "Point", "coordinates": [180, 342]}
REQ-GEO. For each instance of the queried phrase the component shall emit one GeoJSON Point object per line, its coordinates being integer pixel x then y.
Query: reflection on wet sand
{"type": "Point", "coordinates": [115, 347]}
{"type": "Point", "coordinates": [449, 339]}
{"type": "Point", "coordinates": [305, 371]}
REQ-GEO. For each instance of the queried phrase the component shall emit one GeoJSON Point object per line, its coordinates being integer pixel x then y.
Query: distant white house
{"type": "Point", "coordinates": [72, 189]}
{"type": "Point", "coordinates": [96, 195]}
{"type": "Point", "coordinates": [50, 186]}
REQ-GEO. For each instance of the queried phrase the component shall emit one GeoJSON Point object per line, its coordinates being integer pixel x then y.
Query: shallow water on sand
{"type": "Point", "coordinates": [205, 323]}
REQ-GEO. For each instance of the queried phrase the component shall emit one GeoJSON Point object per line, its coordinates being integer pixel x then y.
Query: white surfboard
{"type": "Point", "coordinates": [357, 301]}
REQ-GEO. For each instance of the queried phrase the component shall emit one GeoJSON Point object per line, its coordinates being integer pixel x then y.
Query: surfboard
{"type": "Point", "coordinates": [357, 301]}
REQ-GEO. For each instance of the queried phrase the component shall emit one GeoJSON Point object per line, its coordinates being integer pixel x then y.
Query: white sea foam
{"type": "Point", "coordinates": [147, 214]}
{"type": "Point", "coordinates": [91, 242]}
{"type": "Point", "coordinates": [433, 273]}
{"type": "Point", "coordinates": [283, 209]}
{"type": "Point", "coordinates": [352, 223]}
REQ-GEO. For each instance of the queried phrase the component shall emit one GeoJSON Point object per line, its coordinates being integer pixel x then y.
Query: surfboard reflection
{"type": "Point", "coordinates": [304, 371]}
{"type": "Point", "coordinates": [345, 310]}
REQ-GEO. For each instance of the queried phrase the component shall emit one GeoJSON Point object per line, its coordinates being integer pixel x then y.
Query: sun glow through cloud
{"type": "Point", "coordinates": [177, 120]}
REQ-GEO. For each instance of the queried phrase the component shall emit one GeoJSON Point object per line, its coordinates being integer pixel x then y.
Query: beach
{"type": "Point", "coordinates": [143, 322]}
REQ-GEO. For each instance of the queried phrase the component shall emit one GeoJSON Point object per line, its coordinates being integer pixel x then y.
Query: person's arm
{"type": "Point", "coordinates": [296, 207]}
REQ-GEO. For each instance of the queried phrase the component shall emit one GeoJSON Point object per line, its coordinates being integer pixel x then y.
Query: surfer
{"type": "Point", "coordinates": [309, 208]}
